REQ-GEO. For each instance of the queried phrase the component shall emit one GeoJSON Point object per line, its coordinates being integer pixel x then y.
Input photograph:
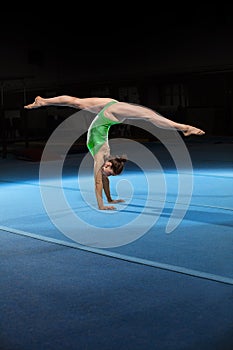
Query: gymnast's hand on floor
{"type": "Point", "coordinates": [116, 201]}
{"type": "Point", "coordinates": [107, 208]}
{"type": "Point", "coordinates": [111, 207]}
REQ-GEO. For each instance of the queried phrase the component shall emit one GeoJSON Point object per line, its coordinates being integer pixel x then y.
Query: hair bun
{"type": "Point", "coordinates": [122, 158]}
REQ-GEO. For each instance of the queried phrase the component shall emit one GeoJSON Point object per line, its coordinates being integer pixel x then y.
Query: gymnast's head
{"type": "Point", "coordinates": [114, 166]}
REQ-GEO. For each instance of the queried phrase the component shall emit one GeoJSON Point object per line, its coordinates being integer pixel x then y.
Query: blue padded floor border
{"type": "Point", "coordinates": [155, 264]}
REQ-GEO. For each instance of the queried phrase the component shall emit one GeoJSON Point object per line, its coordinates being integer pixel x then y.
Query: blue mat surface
{"type": "Point", "coordinates": [63, 287]}
{"type": "Point", "coordinates": [201, 242]}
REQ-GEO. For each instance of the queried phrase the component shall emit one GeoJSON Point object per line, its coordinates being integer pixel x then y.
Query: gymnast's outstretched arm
{"type": "Point", "coordinates": [101, 182]}
{"type": "Point", "coordinates": [106, 187]}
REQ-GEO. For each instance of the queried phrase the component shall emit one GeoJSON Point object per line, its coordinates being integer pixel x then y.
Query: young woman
{"type": "Point", "coordinates": [109, 112]}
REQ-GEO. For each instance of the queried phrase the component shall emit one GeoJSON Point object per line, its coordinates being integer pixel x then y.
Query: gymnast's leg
{"type": "Point", "coordinates": [123, 111]}
{"type": "Point", "coordinates": [91, 104]}
{"type": "Point", "coordinates": [62, 100]}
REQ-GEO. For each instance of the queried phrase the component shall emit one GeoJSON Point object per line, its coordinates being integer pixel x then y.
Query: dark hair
{"type": "Point", "coordinates": [118, 163]}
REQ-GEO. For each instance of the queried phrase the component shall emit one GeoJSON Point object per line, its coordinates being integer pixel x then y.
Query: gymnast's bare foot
{"type": "Point", "coordinates": [36, 104]}
{"type": "Point", "coordinates": [192, 130]}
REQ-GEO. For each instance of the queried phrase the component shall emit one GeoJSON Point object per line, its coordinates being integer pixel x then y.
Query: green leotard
{"type": "Point", "coordinates": [98, 131]}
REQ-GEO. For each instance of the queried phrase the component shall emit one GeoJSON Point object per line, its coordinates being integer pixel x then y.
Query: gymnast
{"type": "Point", "coordinates": [109, 112]}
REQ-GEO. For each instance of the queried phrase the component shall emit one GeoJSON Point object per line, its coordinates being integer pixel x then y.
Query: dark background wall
{"type": "Point", "coordinates": [175, 58]}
